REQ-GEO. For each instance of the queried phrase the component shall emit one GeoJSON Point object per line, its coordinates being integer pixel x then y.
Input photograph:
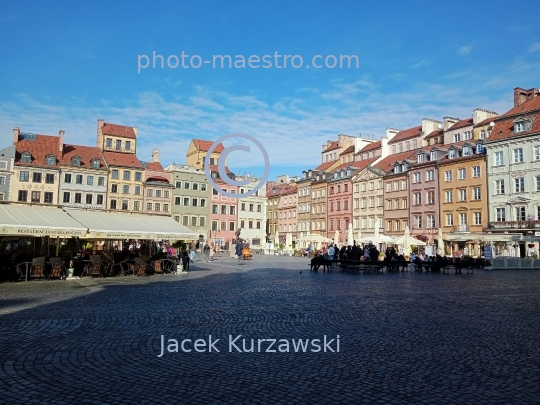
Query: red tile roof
{"type": "Point", "coordinates": [203, 145]}
{"type": "Point", "coordinates": [332, 146]}
{"type": "Point", "coordinates": [387, 163]}
{"type": "Point", "coordinates": [214, 168]}
{"type": "Point", "coordinates": [437, 132]}
{"type": "Point", "coordinates": [153, 165]}
{"type": "Point", "coordinates": [122, 159]}
{"type": "Point", "coordinates": [324, 166]}
{"type": "Point", "coordinates": [370, 146]}
{"type": "Point", "coordinates": [406, 134]}
{"type": "Point", "coordinates": [362, 164]}
{"type": "Point", "coordinates": [39, 148]}
{"type": "Point", "coordinates": [505, 128]}
{"type": "Point", "coordinates": [86, 153]}
{"type": "Point", "coordinates": [118, 130]}
{"type": "Point", "coordinates": [277, 190]}
{"type": "Point", "coordinates": [350, 149]}
{"type": "Point", "coordinates": [461, 124]}
{"type": "Point", "coordinates": [527, 106]}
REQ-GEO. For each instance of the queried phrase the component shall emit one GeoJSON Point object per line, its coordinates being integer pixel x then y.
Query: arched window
{"type": "Point", "coordinates": [50, 160]}
{"type": "Point", "coordinates": [26, 157]}
{"type": "Point", "coordinates": [76, 161]}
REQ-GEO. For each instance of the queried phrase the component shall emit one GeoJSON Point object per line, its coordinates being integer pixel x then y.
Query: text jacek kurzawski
{"type": "Point", "coordinates": [239, 344]}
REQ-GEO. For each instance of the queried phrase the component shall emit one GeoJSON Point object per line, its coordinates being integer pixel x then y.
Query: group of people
{"type": "Point", "coordinates": [354, 252]}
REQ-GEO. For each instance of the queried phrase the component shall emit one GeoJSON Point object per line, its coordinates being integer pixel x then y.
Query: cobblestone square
{"type": "Point", "coordinates": [416, 338]}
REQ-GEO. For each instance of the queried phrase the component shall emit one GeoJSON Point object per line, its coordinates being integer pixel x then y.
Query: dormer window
{"type": "Point", "coordinates": [26, 157]}
{"type": "Point", "coordinates": [433, 155]}
{"type": "Point", "coordinates": [466, 150]}
{"type": "Point", "coordinates": [452, 153]}
{"type": "Point", "coordinates": [404, 167]}
{"type": "Point", "coordinates": [50, 160]}
{"type": "Point", "coordinates": [483, 134]}
{"type": "Point", "coordinates": [76, 161]}
{"type": "Point", "coordinates": [336, 175]}
{"type": "Point", "coordinates": [479, 148]}
{"type": "Point", "coordinates": [397, 169]}
{"type": "Point", "coordinates": [95, 163]}
{"type": "Point", "coordinates": [420, 158]}
{"type": "Point", "coordinates": [519, 127]}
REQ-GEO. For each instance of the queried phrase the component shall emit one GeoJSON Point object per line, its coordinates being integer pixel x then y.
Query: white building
{"type": "Point", "coordinates": [252, 213]}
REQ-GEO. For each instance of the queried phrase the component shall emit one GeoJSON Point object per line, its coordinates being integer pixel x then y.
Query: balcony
{"type": "Point", "coordinates": [461, 228]}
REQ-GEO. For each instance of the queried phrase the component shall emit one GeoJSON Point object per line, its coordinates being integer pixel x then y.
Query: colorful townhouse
{"type": "Point", "coordinates": [304, 201]}
{"type": "Point", "coordinates": [287, 210]}
{"type": "Point", "coordinates": [158, 188]}
{"type": "Point", "coordinates": [319, 200]}
{"type": "Point", "coordinates": [252, 212]}
{"type": "Point", "coordinates": [7, 161]}
{"type": "Point", "coordinates": [224, 212]}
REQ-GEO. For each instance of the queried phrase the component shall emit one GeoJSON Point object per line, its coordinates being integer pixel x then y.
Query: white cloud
{"type": "Point", "coordinates": [534, 47]}
{"type": "Point", "coordinates": [465, 50]}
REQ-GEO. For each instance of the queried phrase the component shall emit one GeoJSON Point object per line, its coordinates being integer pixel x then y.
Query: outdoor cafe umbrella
{"type": "Point", "coordinates": [359, 236]}
{"type": "Point", "coordinates": [336, 237]}
{"type": "Point", "coordinates": [288, 241]}
{"type": "Point", "coordinates": [406, 241]}
{"type": "Point", "coordinates": [314, 238]}
{"type": "Point", "coordinates": [350, 236]}
{"type": "Point", "coordinates": [440, 243]}
{"type": "Point", "coordinates": [276, 240]}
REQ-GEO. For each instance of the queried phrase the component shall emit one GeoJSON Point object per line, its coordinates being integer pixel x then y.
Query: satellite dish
{"type": "Point", "coordinates": [439, 126]}
{"type": "Point", "coordinates": [491, 124]}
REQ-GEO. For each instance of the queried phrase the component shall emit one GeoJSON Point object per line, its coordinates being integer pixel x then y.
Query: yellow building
{"type": "Point", "coordinates": [126, 173]}
{"type": "Point", "coordinates": [197, 151]}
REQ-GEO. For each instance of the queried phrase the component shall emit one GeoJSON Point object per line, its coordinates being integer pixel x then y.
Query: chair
{"type": "Point", "coordinates": [58, 270]}
{"type": "Point", "coordinates": [94, 267]}
{"type": "Point", "coordinates": [170, 264]}
{"type": "Point", "coordinates": [158, 267]}
{"type": "Point", "coordinates": [140, 267]}
{"type": "Point", "coordinates": [38, 268]}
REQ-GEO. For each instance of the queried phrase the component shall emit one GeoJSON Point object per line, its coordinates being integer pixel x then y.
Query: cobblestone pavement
{"type": "Point", "coordinates": [404, 338]}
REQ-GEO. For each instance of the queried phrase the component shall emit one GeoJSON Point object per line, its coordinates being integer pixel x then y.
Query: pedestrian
{"type": "Point", "coordinates": [185, 261]}
{"type": "Point", "coordinates": [212, 251]}
{"type": "Point", "coordinates": [239, 247]}
{"type": "Point", "coordinates": [192, 251]}
{"type": "Point", "coordinates": [331, 252]}
{"type": "Point", "coordinates": [206, 251]}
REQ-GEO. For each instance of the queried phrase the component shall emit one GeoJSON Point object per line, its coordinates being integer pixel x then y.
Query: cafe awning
{"type": "Point", "coordinates": [30, 220]}
{"type": "Point", "coordinates": [110, 225]}
{"type": "Point", "coordinates": [482, 237]}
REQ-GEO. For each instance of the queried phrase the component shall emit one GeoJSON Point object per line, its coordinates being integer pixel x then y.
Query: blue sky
{"type": "Point", "coordinates": [63, 65]}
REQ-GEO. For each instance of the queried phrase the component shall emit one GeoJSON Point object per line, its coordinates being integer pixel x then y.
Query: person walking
{"type": "Point", "coordinates": [206, 251]}
{"type": "Point", "coordinates": [331, 252]}
{"type": "Point", "coordinates": [192, 253]}
{"type": "Point", "coordinates": [239, 247]}
{"type": "Point", "coordinates": [212, 251]}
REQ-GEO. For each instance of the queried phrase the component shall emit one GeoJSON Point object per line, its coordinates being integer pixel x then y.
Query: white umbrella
{"type": "Point", "coordinates": [336, 236]}
{"type": "Point", "coordinates": [440, 243]}
{"type": "Point", "coordinates": [359, 236]}
{"type": "Point", "coordinates": [350, 236]}
{"type": "Point", "coordinates": [314, 238]}
{"type": "Point", "coordinates": [406, 241]}
{"type": "Point", "coordinates": [276, 240]}
{"type": "Point", "coordinates": [288, 241]}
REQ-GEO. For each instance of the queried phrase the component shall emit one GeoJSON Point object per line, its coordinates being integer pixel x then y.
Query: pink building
{"type": "Point", "coordinates": [339, 201]}
{"type": "Point", "coordinates": [223, 212]}
{"type": "Point", "coordinates": [157, 187]}
{"type": "Point", "coordinates": [287, 209]}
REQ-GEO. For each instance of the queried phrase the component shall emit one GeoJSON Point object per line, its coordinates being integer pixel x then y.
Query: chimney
{"type": "Point", "coordinates": [448, 122]}
{"type": "Point", "coordinates": [100, 141]}
{"type": "Point", "coordinates": [522, 95]}
{"type": "Point", "coordinates": [61, 143]}
{"type": "Point", "coordinates": [16, 133]}
{"type": "Point", "coordinates": [480, 115]}
{"type": "Point", "coordinates": [155, 156]}
{"type": "Point", "coordinates": [390, 133]}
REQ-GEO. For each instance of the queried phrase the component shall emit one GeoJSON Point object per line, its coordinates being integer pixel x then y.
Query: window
{"type": "Point", "coordinates": [457, 137]}
{"type": "Point", "coordinates": [149, 206]}
{"type": "Point", "coordinates": [448, 196]}
{"type": "Point", "coordinates": [396, 185]}
{"type": "Point", "coordinates": [520, 213]}
{"type": "Point", "coordinates": [501, 214]}
{"type": "Point", "coordinates": [430, 175]}
{"type": "Point", "coordinates": [449, 220]}
{"type": "Point", "coordinates": [26, 157]}
{"type": "Point", "coordinates": [393, 149]}
{"type": "Point", "coordinates": [67, 178]}
{"type": "Point", "coordinates": [223, 210]}
{"type": "Point", "coordinates": [420, 157]}
{"type": "Point", "coordinates": [519, 126]}
{"type": "Point", "coordinates": [89, 198]}
{"type": "Point", "coordinates": [95, 163]}
{"type": "Point", "coordinates": [371, 203]}
{"type": "Point", "coordinates": [476, 193]}
{"type": "Point", "coordinates": [379, 201]}
{"type": "Point", "coordinates": [79, 179]}
{"type": "Point", "coordinates": [48, 198]}
{"type": "Point", "coordinates": [451, 153]}
{"type": "Point", "coordinates": [194, 202]}
{"type": "Point", "coordinates": [250, 224]}
{"type": "Point", "coordinates": [537, 153]}
{"type": "Point", "coordinates": [414, 144]}
{"type": "Point", "coordinates": [479, 148]}
{"type": "Point", "coordinates": [186, 202]}
{"type": "Point", "coordinates": [23, 176]}
{"type": "Point", "coordinates": [462, 195]}
{"type": "Point", "coordinates": [251, 207]}
{"type": "Point", "coordinates": [50, 160]}
{"type": "Point", "coordinates": [165, 207]}
{"type": "Point", "coordinates": [101, 181]}
{"type": "Point", "coordinates": [499, 186]}
{"type": "Point", "coordinates": [118, 144]}
{"type": "Point", "coordinates": [499, 158]}
{"type": "Point", "coordinates": [76, 161]}
{"type": "Point", "coordinates": [431, 221]}
{"type": "Point", "coordinates": [186, 185]}
{"type": "Point", "coordinates": [78, 198]}
{"type": "Point", "coordinates": [2, 180]}
{"type": "Point", "coordinates": [407, 146]}
{"type": "Point", "coordinates": [214, 208]}
{"type": "Point", "coordinates": [36, 177]}
{"type": "Point", "coordinates": [417, 198]}
{"type": "Point", "coordinates": [138, 176]}
{"type": "Point", "coordinates": [137, 190]}
{"type": "Point", "coordinates": [483, 134]}
{"type": "Point", "coordinates": [203, 202]}
{"type": "Point", "coordinates": [166, 194]}
{"type": "Point", "coordinates": [125, 189]}
{"type": "Point", "coordinates": [49, 178]}
{"type": "Point", "coordinates": [461, 174]}
{"type": "Point", "coordinates": [520, 184]}
{"type": "Point", "coordinates": [202, 220]}
{"type": "Point", "coordinates": [416, 177]}
{"type": "Point", "coordinates": [466, 150]}
{"type": "Point", "coordinates": [518, 155]}
{"type": "Point", "coordinates": [23, 195]}
{"type": "Point", "coordinates": [418, 221]}
{"type": "Point", "coordinates": [127, 175]}
{"type": "Point", "coordinates": [113, 204]}
{"type": "Point", "coordinates": [231, 226]}
{"type": "Point", "coordinates": [259, 208]}
{"type": "Point", "coordinates": [404, 184]}
{"type": "Point", "coordinates": [157, 207]}
{"type": "Point", "coordinates": [431, 197]}
{"type": "Point", "coordinates": [125, 205]}
{"type": "Point", "coordinates": [396, 204]}
{"type": "Point", "coordinates": [99, 199]}
{"type": "Point", "coordinates": [67, 197]}
{"type": "Point", "coordinates": [388, 204]}
{"type": "Point", "coordinates": [114, 174]}
{"type": "Point", "coordinates": [463, 218]}
{"type": "Point", "coordinates": [448, 175]}
{"type": "Point", "coordinates": [128, 145]}
{"type": "Point", "coordinates": [476, 171]}
{"type": "Point", "coordinates": [537, 183]}
{"type": "Point", "coordinates": [477, 218]}
{"type": "Point", "coordinates": [467, 135]}
{"type": "Point", "coordinates": [108, 143]}
{"type": "Point", "coordinates": [35, 197]}
{"type": "Point", "coordinates": [149, 192]}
